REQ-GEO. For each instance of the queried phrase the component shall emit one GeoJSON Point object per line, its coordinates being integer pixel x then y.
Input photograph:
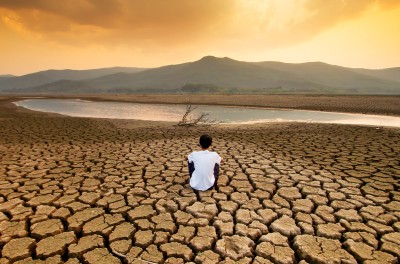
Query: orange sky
{"type": "Point", "coordinates": [81, 34]}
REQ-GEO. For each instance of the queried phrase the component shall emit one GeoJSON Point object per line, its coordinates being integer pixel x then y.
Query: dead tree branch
{"type": "Point", "coordinates": [200, 119]}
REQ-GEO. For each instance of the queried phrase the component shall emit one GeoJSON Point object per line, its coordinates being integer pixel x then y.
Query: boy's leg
{"type": "Point", "coordinates": [191, 168]}
{"type": "Point", "coordinates": [216, 173]}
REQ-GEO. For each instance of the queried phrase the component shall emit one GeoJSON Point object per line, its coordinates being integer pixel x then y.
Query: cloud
{"type": "Point", "coordinates": [83, 12]}
{"type": "Point", "coordinates": [320, 15]}
{"type": "Point", "coordinates": [150, 23]}
{"type": "Point", "coordinates": [121, 20]}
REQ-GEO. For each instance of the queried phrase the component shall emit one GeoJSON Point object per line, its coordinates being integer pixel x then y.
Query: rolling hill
{"type": "Point", "coordinates": [392, 74]}
{"type": "Point", "coordinates": [225, 75]}
{"type": "Point", "coordinates": [342, 78]}
{"type": "Point", "coordinates": [6, 75]}
{"type": "Point", "coordinates": [10, 82]}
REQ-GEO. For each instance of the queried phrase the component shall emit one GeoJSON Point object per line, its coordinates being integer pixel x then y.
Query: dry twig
{"type": "Point", "coordinates": [201, 119]}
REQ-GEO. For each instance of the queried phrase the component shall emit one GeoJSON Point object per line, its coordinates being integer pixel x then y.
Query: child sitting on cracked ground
{"type": "Point", "coordinates": [204, 166]}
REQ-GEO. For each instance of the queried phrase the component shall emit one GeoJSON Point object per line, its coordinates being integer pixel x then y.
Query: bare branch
{"type": "Point", "coordinates": [201, 119]}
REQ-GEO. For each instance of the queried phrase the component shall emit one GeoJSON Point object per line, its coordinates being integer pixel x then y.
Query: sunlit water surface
{"type": "Point", "coordinates": [174, 113]}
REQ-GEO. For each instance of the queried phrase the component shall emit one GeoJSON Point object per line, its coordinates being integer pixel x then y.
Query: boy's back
{"type": "Point", "coordinates": [203, 166]}
{"type": "Point", "coordinates": [204, 162]}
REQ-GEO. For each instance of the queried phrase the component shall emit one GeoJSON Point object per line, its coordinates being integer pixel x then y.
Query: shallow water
{"type": "Point", "coordinates": [222, 114]}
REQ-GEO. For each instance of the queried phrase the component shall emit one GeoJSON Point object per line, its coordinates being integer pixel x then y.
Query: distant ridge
{"type": "Point", "coordinates": [44, 77]}
{"type": "Point", "coordinates": [389, 74]}
{"type": "Point", "coordinates": [5, 76]}
{"type": "Point", "coordinates": [213, 75]}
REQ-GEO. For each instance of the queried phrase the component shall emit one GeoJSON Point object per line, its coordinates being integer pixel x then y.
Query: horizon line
{"type": "Point", "coordinates": [211, 56]}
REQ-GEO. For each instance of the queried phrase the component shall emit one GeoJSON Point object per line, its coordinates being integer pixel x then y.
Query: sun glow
{"type": "Point", "coordinates": [134, 33]}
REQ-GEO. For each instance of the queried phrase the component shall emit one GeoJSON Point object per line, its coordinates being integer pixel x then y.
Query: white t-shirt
{"type": "Point", "coordinates": [204, 163]}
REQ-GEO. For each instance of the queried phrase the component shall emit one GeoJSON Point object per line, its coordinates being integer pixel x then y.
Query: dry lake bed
{"type": "Point", "coordinates": [85, 190]}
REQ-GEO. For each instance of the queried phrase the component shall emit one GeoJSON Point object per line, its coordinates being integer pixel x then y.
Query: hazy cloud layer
{"type": "Point", "coordinates": [40, 34]}
{"type": "Point", "coordinates": [326, 13]}
{"type": "Point", "coordinates": [113, 21]}
{"type": "Point", "coordinates": [172, 22]}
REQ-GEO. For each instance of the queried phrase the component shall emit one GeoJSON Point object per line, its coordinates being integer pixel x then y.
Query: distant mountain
{"type": "Point", "coordinates": [225, 75]}
{"type": "Point", "coordinates": [342, 78]}
{"type": "Point", "coordinates": [12, 83]}
{"type": "Point", "coordinates": [6, 76]}
{"type": "Point", "coordinates": [221, 72]}
{"type": "Point", "coordinates": [392, 74]}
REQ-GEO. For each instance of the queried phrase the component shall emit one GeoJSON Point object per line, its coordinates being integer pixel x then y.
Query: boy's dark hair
{"type": "Point", "coordinates": [205, 141]}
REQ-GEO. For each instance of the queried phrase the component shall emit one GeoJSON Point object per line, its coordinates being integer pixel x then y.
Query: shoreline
{"type": "Point", "coordinates": [357, 104]}
{"type": "Point", "coordinates": [244, 123]}
{"type": "Point", "coordinates": [227, 106]}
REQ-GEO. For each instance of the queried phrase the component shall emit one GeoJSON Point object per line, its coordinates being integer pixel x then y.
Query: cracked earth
{"type": "Point", "coordinates": [76, 190]}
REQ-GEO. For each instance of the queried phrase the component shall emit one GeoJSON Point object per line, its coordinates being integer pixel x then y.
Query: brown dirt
{"type": "Point", "coordinates": [86, 190]}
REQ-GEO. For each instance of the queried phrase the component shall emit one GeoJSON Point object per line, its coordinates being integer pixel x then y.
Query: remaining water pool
{"type": "Point", "coordinates": [226, 115]}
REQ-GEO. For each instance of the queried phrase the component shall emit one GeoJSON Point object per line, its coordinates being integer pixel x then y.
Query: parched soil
{"type": "Point", "coordinates": [80, 190]}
